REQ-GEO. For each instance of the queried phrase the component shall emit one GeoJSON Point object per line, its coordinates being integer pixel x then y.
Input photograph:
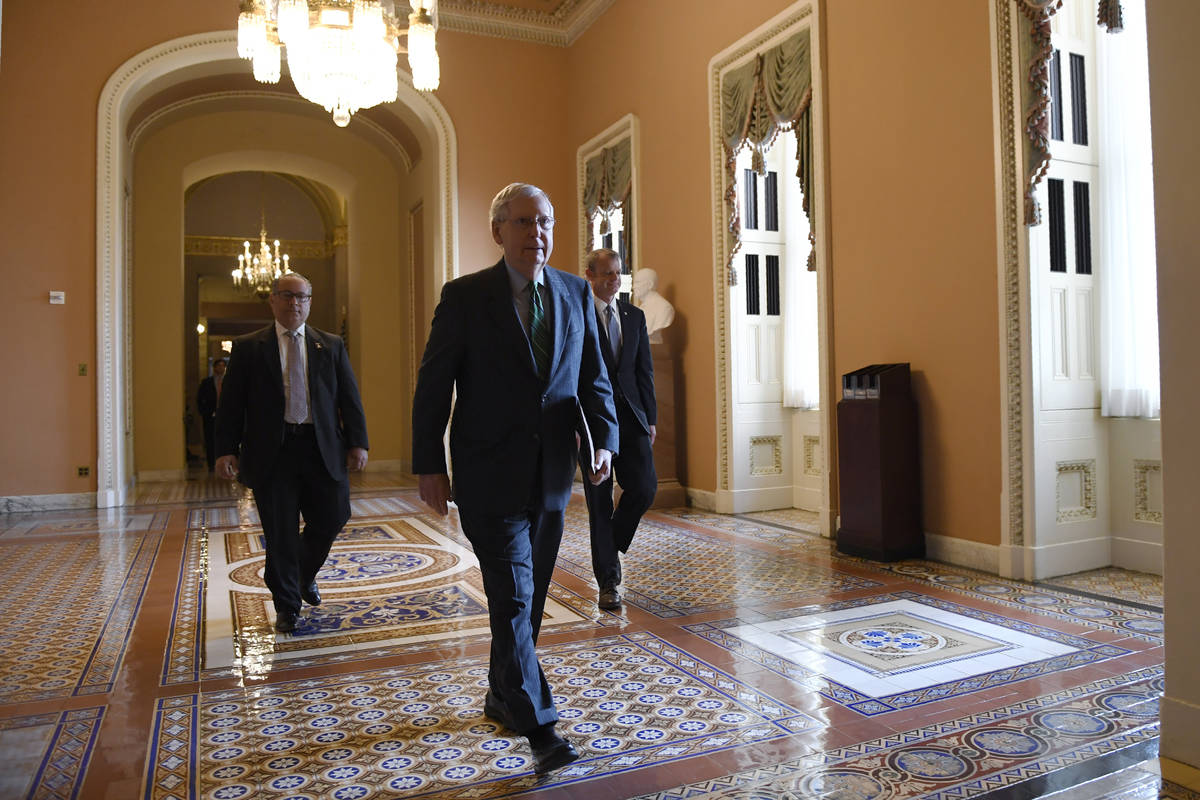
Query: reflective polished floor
{"type": "Point", "coordinates": [138, 659]}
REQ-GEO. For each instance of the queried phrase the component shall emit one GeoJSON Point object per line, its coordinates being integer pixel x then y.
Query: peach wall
{"type": "Point", "coordinates": [652, 59]}
{"type": "Point", "coordinates": [1175, 116]}
{"type": "Point", "coordinates": [47, 225]}
{"type": "Point", "coordinates": [508, 101]}
{"type": "Point", "coordinates": [913, 244]}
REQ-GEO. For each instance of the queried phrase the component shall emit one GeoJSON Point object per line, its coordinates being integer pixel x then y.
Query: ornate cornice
{"type": "Point", "coordinates": [560, 27]}
{"type": "Point", "coordinates": [231, 246]}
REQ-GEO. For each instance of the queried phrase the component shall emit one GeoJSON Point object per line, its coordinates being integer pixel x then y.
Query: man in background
{"type": "Point", "coordinates": [626, 348]}
{"type": "Point", "coordinates": [207, 397]}
{"type": "Point", "coordinates": [289, 426]}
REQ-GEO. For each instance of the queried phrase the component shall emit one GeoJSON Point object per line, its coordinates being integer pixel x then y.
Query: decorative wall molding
{"type": "Point", "coordinates": [231, 246]}
{"type": "Point", "coordinates": [1142, 468]}
{"type": "Point", "coordinates": [1083, 471]}
{"type": "Point", "coordinates": [813, 465]}
{"type": "Point", "coordinates": [1013, 243]}
{"type": "Point", "coordinates": [766, 455]}
{"type": "Point", "coordinates": [560, 27]}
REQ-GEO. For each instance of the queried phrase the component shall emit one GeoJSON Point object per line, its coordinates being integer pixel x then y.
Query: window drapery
{"type": "Point", "coordinates": [770, 93]}
{"type": "Point", "coordinates": [1129, 375]}
{"type": "Point", "coordinates": [608, 183]}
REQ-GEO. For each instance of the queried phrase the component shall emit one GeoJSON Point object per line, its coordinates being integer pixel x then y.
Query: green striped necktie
{"type": "Point", "coordinates": [539, 332]}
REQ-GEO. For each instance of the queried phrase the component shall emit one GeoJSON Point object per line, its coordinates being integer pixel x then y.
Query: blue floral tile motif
{"type": "Point", "coordinates": [930, 763]}
{"type": "Point", "coordinates": [1006, 742]}
{"type": "Point", "coordinates": [358, 613]}
{"type": "Point", "coordinates": [436, 739]}
{"type": "Point", "coordinates": [958, 759]}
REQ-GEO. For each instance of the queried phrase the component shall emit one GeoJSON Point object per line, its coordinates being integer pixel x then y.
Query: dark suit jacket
{"type": "Point", "coordinates": [206, 397]}
{"type": "Point", "coordinates": [506, 419]}
{"type": "Point", "coordinates": [632, 375]}
{"type": "Point", "coordinates": [250, 418]}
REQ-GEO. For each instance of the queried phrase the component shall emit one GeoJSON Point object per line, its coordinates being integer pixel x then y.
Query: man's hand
{"type": "Point", "coordinates": [226, 467]}
{"type": "Point", "coordinates": [653, 434]}
{"type": "Point", "coordinates": [602, 468]}
{"type": "Point", "coordinates": [435, 491]}
{"type": "Point", "coordinates": [356, 459]}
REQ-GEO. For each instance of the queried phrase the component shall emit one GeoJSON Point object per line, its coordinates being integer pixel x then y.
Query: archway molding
{"type": "Point", "coordinates": [149, 72]}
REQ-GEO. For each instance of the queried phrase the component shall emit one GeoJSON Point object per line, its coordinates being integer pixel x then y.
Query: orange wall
{"type": "Point", "coordinates": [652, 59]}
{"type": "Point", "coordinates": [47, 225]}
{"type": "Point", "coordinates": [507, 101]}
{"type": "Point", "coordinates": [913, 240]}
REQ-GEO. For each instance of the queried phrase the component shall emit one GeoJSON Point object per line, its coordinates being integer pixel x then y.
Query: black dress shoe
{"type": "Point", "coordinates": [311, 595]}
{"type": "Point", "coordinates": [495, 710]}
{"type": "Point", "coordinates": [551, 751]}
{"type": "Point", "coordinates": [285, 621]}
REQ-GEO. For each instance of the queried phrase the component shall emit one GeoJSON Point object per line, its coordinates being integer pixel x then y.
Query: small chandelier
{"type": "Point", "coordinates": [256, 274]}
{"type": "Point", "coordinates": [341, 53]}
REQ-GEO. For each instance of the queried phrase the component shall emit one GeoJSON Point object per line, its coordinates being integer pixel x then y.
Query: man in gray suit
{"type": "Point", "coordinates": [515, 344]}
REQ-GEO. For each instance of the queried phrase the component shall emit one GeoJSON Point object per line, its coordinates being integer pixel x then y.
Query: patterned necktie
{"type": "Point", "coordinates": [614, 332]}
{"type": "Point", "coordinates": [539, 332]}
{"type": "Point", "coordinates": [297, 402]}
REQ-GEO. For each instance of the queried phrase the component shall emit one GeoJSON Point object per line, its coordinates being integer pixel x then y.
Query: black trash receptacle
{"type": "Point", "coordinates": [878, 469]}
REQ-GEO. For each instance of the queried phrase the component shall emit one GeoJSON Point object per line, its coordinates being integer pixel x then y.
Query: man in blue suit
{"type": "Point", "coordinates": [626, 348]}
{"type": "Point", "coordinates": [516, 345]}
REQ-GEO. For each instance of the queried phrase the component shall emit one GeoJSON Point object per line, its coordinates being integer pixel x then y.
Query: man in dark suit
{"type": "Point", "coordinates": [289, 426]}
{"type": "Point", "coordinates": [626, 350]}
{"type": "Point", "coordinates": [207, 397]}
{"type": "Point", "coordinates": [517, 344]}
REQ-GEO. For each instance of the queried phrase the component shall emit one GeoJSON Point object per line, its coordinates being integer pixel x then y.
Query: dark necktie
{"type": "Point", "coordinates": [614, 332]}
{"type": "Point", "coordinates": [539, 332]}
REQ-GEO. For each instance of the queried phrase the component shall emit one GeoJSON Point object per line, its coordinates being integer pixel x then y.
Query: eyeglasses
{"type": "Point", "coordinates": [525, 223]}
{"type": "Point", "coordinates": [290, 296]}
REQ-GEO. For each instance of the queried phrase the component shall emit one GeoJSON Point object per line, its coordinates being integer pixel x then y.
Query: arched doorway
{"type": "Point", "coordinates": [175, 80]}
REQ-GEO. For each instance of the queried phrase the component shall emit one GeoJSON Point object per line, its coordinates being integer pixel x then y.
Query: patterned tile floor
{"type": "Point", "coordinates": [749, 661]}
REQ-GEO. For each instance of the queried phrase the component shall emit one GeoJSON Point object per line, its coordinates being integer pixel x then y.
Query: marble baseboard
{"type": "Point", "coordinates": [962, 552]}
{"type": "Point", "coordinates": [702, 499]}
{"type": "Point", "coordinates": [46, 502]}
{"type": "Point", "coordinates": [741, 501]}
{"type": "Point", "coordinates": [1137, 555]}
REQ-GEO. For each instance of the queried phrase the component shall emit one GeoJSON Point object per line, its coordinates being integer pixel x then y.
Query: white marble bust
{"type": "Point", "coordinates": [659, 311]}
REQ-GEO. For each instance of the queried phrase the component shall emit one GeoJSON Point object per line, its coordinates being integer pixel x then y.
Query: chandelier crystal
{"type": "Point", "coordinates": [341, 53]}
{"type": "Point", "coordinates": [256, 274]}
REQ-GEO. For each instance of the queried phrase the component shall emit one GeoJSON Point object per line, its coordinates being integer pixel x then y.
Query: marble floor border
{"type": "Point", "coordinates": [64, 766]}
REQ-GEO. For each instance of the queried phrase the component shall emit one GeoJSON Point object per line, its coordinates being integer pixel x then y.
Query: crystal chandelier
{"type": "Point", "coordinates": [256, 274]}
{"type": "Point", "coordinates": [341, 53]}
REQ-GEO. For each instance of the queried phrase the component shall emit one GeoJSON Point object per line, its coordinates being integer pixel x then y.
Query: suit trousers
{"type": "Point", "coordinates": [210, 447]}
{"type": "Point", "coordinates": [516, 557]}
{"type": "Point", "coordinates": [299, 484]}
{"type": "Point", "coordinates": [612, 529]}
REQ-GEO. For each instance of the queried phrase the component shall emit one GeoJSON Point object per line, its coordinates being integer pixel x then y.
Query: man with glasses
{"type": "Point", "coordinates": [515, 345]}
{"type": "Point", "coordinates": [289, 425]}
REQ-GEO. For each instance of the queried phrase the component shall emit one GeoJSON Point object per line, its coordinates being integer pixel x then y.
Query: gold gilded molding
{"type": "Point", "coordinates": [232, 246]}
{"type": "Point", "coordinates": [559, 27]}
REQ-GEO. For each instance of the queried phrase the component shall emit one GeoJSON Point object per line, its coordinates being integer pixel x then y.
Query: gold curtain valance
{"type": "Point", "coordinates": [769, 94]}
{"type": "Point", "coordinates": [608, 179]}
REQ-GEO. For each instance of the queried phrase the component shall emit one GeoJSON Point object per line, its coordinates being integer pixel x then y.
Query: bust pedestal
{"type": "Point", "coordinates": [666, 454]}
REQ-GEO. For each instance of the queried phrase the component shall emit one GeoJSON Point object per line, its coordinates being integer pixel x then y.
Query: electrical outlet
{"type": "Point", "coordinates": [83, 471]}
{"type": "Point", "coordinates": [82, 370]}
